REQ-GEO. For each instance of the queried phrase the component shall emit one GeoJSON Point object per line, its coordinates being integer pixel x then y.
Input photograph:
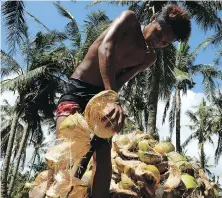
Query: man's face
{"type": "Point", "coordinates": [158, 37]}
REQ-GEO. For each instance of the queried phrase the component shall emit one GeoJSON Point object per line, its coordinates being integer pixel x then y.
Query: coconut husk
{"type": "Point", "coordinates": [149, 157]}
{"type": "Point", "coordinates": [120, 164]}
{"type": "Point", "coordinates": [67, 185]}
{"type": "Point", "coordinates": [121, 193]}
{"type": "Point", "coordinates": [126, 183]}
{"type": "Point", "coordinates": [46, 175]}
{"type": "Point", "coordinates": [64, 154]}
{"type": "Point", "coordinates": [145, 145]}
{"type": "Point", "coordinates": [39, 190]}
{"type": "Point", "coordinates": [163, 167]}
{"type": "Point", "coordinates": [97, 109]}
{"type": "Point", "coordinates": [188, 181]}
{"type": "Point", "coordinates": [164, 147]}
{"type": "Point", "coordinates": [74, 127]}
{"type": "Point", "coordinates": [175, 157]}
{"type": "Point", "coordinates": [173, 180]}
{"type": "Point", "coordinates": [121, 140]}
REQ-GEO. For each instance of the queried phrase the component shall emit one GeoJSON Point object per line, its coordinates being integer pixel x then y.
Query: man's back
{"type": "Point", "coordinates": [129, 51]}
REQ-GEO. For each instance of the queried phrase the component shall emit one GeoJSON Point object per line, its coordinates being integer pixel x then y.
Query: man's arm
{"type": "Point", "coordinates": [133, 71]}
{"type": "Point", "coordinates": [125, 22]}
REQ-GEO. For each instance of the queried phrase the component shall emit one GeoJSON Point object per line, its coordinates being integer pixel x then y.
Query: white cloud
{"type": "Point", "coordinates": [188, 102]}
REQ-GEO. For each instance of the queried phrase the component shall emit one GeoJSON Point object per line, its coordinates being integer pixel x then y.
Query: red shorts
{"type": "Point", "coordinates": [67, 108]}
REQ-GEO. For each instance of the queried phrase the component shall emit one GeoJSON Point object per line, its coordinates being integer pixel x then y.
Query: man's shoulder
{"type": "Point", "coordinates": [128, 15]}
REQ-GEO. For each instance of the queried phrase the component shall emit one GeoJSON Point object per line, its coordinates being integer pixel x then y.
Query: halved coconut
{"type": "Point", "coordinates": [164, 146]}
{"type": "Point", "coordinates": [97, 108]}
{"type": "Point", "coordinates": [65, 184]}
{"type": "Point", "coordinates": [64, 154]}
{"type": "Point", "coordinates": [149, 172]}
{"type": "Point", "coordinates": [173, 180]}
{"type": "Point", "coordinates": [144, 145]}
{"type": "Point", "coordinates": [46, 175]}
{"type": "Point", "coordinates": [126, 183]}
{"type": "Point", "coordinates": [188, 181]}
{"type": "Point", "coordinates": [149, 157]}
{"type": "Point", "coordinates": [75, 127]}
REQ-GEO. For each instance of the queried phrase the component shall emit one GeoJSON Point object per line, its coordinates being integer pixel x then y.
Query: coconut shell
{"type": "Point", "coordinates": [149, 157]}
{"type": "Point", "coordinates": [66, 184]}
{"type": "Point", "coordinates": [175, 157]}
{"type": "Point", "coordinates": [144, 145]}
{"type": "Point", "coordinates": [188, 181]}
{"type": "Point", "coordinates": [126, 183]}
{"type": "Point", "coordinates": [38, 191]}
{"type": "Point", "coordinates": [149, 173]}
{"type": "Point", "coordinates": [64, 154]}
{"type": "Point", "coordinates": [75, 127]}
{"type": "Point", "coordinates": [46, 175]}
{"type": "Point", "coordinates": [164, 147]}
{"type": "Point", "coordinates": [173, 180]}
{"type": "Point", "coordinates": [97, 108]}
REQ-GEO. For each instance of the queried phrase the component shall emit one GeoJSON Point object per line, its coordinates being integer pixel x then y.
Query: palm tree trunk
{"type": "Point", "coordinates": [8, 154]}
{"type": "Point", "coordinates": [178, 108]}
{"type": "Point", "coordinates": [152, 106]}
{"type": "Point", "coordinates": [18, 157]}
{"type": "Point", "coordinates": [202, 157]}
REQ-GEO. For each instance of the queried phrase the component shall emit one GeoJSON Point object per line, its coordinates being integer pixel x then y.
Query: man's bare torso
{"type": "Point", "coordinates": [130, 51]}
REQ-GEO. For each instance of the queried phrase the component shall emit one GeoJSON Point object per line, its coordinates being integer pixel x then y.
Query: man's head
{"type": "Point", "coordinates": [167, 26]}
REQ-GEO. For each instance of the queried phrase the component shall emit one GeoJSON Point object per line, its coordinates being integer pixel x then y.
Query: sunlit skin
{"type": "Point", "coordinates": [117, 55]}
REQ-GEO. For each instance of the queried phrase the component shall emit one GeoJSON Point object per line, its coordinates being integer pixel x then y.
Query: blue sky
{"type": "Point", "coordinates": [47, 13]}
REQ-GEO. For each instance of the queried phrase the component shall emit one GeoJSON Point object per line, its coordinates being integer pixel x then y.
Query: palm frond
{"type": "Point", "coordinates": [64, 12]}
{"type": "Point", "coordinates": [36, 20]}
{"type": "Point", "coordinates": [189, 139]}
{"type": "Point", "coordinates": [165, 110]}
{"type": "Point", "coordinates": [18, 82]}
{"type": "Point", "coordinates": [9, 65]}
{"type": "Point", "coordinates": [192, 117]}
{"type": "Point", "coordinates": [13, 15]}
{"type": "Point", "coordinates": [218, 151]}
{"type": "Point", "coordinates": [204, 14]}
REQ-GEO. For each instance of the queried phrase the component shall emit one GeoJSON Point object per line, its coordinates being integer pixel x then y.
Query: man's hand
{"type": "Point", "coordinates": [114, 117]}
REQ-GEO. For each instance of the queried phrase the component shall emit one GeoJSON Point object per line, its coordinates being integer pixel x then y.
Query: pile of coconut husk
{"type": "Point", "coordinates": [144, 167]}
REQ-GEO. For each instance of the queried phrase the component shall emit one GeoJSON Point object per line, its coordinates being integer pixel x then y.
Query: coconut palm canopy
{"type": "Point", "coordinates": [42, 47]}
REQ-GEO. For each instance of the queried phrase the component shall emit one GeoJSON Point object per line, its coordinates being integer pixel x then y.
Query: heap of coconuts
{"type": "Point", "coordinates": [141, 166]}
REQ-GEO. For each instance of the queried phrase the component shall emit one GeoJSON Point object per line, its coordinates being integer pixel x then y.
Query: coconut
{"type": "Point", "coordinates": [149, 172]}
{"type": "Point", "coordinates": [175, 157]}
{"type": "Point", "coordinates": [173, 180]}
{"type": "Point", "coordinates": [126, 183]}
{"type": "Point", "coordinates": [149, 157]}
{"type": "Point", "coordinates": [46, 175]}
{"type": "Point", "coordinates": [188, 181]}
{"type": "Point", "coordinates": [75, 127]}
{"type": "Point", "coordinates": [64, 154]}
{"type": "Point", "coordinates": [66, 184]}
{"type": "Point", "coordinates": [164, 146]}
{"type": "Point", "coordinates": [97, 109]}
{"type": "Point", "coordinates": [121, 140]}
{"type": "Point", "coordinates": [144, 145]}
{"type": "Point", "coordinates": [39, 190]}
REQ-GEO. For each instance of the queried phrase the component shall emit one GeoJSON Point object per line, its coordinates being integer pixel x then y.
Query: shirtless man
{"type": "Point", "coordinates": [116, 56]}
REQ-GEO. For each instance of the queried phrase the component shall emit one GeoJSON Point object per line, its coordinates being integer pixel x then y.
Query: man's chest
{"type": "Point", "coordinates": [131, 51]}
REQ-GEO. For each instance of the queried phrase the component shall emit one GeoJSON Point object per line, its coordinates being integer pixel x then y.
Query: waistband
{"type": "Point", "coordinates": [79, 91]}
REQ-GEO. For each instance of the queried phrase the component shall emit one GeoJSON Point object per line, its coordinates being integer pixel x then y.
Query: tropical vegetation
{"type": "Point", "coordinates": [50, 57]}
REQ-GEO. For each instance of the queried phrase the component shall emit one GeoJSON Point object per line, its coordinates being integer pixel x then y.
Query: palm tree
{"type": "Point", "coordinates": [216, 123]}
{"type": "Point", "coordinates": [15, 22]}
{"type": "Point", "coordinates": [201, 129]}
{"type": "Point", "coordinates": [47, 65]}
{"type": "Point", "coordinates": [184, 71]}
{"type": "Point", "coordinates": [205, 15]}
